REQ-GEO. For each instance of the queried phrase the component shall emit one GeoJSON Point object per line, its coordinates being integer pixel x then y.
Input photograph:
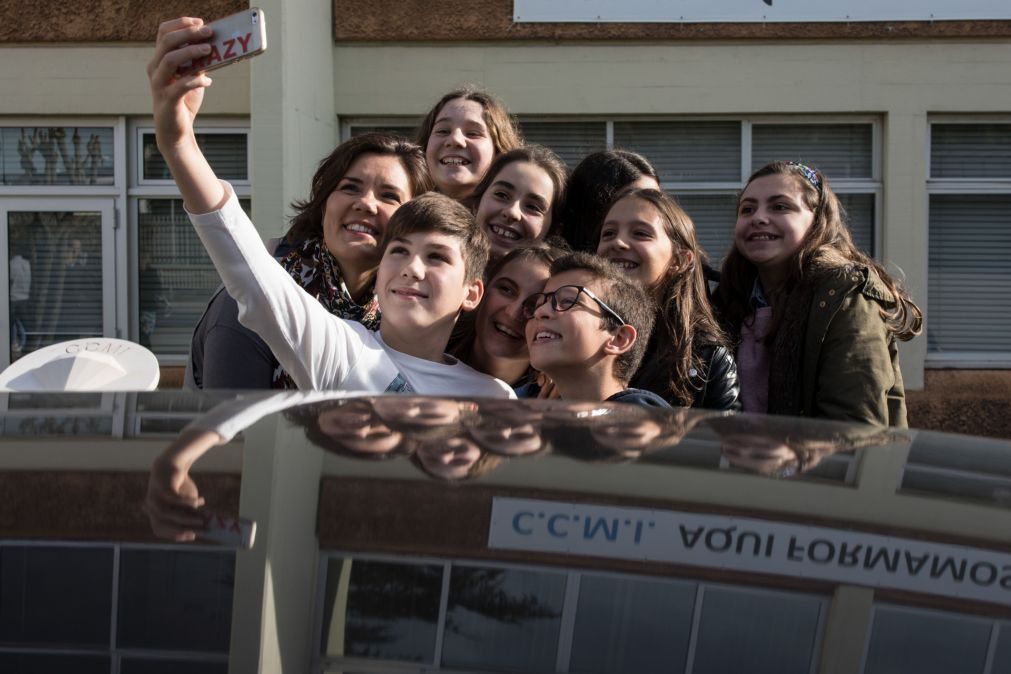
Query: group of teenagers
{"type": "Point", "coordinates": [469, 264]}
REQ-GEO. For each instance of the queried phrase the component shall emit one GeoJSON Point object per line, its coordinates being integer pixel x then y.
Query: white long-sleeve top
{"type": "Point", "coordinates": [318, 349]}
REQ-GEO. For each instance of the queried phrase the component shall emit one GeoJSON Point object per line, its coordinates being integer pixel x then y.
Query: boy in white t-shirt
{"type": "Point", "coordinates": [430, 271]}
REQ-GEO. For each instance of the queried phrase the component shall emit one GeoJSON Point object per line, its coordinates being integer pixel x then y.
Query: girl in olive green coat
{"type": "Point", "coordinates": [816, 320]}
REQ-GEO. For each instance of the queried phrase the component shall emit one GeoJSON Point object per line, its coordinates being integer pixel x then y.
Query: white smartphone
{"type": "Point", "coordinates": [232, 532]}
{"type": "Point", "coordinates": [236, 37]}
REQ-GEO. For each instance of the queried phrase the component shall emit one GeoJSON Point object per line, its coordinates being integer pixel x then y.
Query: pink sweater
{"type": "Point", "coordinates": [753, 361]}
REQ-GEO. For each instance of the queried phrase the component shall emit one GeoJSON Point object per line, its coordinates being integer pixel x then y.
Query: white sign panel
{"type": "Point", "coordinates": [755, 11]}
{"type": "Point", "coordinates": [751, 545]}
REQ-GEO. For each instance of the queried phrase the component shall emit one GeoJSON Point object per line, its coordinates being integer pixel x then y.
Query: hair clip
{"type": "Point", "coordinates": [810, 174]}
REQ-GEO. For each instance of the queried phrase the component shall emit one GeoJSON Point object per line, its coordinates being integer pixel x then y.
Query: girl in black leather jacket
{"type": "Point", "coordinates": [688, 361]}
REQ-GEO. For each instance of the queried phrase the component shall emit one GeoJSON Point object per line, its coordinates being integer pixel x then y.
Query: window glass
{"type": "Point", "coordinates": [176, 277]}
{"type": "Point", "coordinates": [970, 150]}
{"type": "Point", "coordinates": [859, 210]}
{"type": "Point", "coordinates": [47, 663]}
{"type": "Point", "coordinates": [381, 610]}
{"type": "Point", "coordinates": [569, 140]}
{"type": "Point", "coordinates": [1002, 656]}
{"type": "Point", "coordinates": [840, 151]}
{"type": "Point", "coordinates": [175, 600]}
{"type": "Point", "coordinates": [969, 279]}
{"type": "Point", "coordinates": [714, 218]}
{"type": "Point", "coordinates": [56, 278]}
{"type": "Point", "coordinates": [503, 619]}
{"type": "Point", "coordinates": [632, 625]}
{"type": "Point", "coordinates": [926, 643]}
{"type": "Point", "coordinates": [142, 666]}
{"type": "Point", "coordinates": [685, 151]}
{"type": "Point", "coordinates": [56, 155]}
{"type": "Point", "coordinates": [756, 632]}
{"type": "Point", "coordinates": [225, 152]}
{"type": "Point", "coordinates": [61, 596]}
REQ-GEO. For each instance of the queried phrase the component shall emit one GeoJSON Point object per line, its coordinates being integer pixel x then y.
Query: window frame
{"type": "Point", "coordinates": [961, 186]}
{"type": "Point", "coordinates": [872, 185]}
{"type": "Point", "coordinates": [140, 188]}
{"type": "Point", "coordinates": [572, 575]}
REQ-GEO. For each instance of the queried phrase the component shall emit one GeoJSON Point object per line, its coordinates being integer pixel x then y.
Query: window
{"type": "Point", "coordinates": [929, 642]}
{"type": "Point", "coordinates": [401, 614]}
{"type": "Point", "coordinates": [175, 277]}
{"type": "Point", "coordinates": [704, 163]}
{"type": "Point", "coordinates": [114, 608]}
{"type": "Point", "coordinates": [969, 281]}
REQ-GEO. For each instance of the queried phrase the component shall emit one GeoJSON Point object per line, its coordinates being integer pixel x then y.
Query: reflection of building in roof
{"type": "Point", "coordinates": [552, 561]}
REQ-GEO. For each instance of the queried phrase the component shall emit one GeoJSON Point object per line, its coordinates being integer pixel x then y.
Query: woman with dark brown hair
{"type": "Point", "coordinates": [331, 250]}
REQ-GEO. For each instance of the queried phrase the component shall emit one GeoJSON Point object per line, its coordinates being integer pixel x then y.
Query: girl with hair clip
{"type": "Point", "coordinates": [331, 250]}
{"type": "Point", "coordinates": [518, 200]}
{"type": "Point", "coordinates": [592, 188]}
{"type": "Point", "coordinates": [461, 135]}
{"type": "Point", "coordinates": [688, 360]}
{"type": "Point", "coordinates": [493, 341]}
{"type": "Point", "coordinates": [816, 320]}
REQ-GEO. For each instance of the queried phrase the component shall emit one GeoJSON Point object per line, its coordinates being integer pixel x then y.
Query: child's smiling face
{"type": "Point", "coordinates": [460, 149]}
{"type": "Point", "coordinates": [772, 220]}
{"type": "Point", "coordinates": [560, 340]}
{"type": "Point", "coordinates": [634, 238]}
{"type": "Point", "coordinates": [422, 283]}
{"type": "Point", "coordinates": [516, 207]}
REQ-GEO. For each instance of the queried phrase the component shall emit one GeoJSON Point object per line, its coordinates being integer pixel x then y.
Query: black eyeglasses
{"type": "Point", "coordinates": [565, 298]}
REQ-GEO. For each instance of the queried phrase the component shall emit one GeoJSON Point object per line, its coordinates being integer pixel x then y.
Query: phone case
{"type": "Point", "coordinates": [232, 532]}
{"type": "Point", "coordinates": [236, 37]}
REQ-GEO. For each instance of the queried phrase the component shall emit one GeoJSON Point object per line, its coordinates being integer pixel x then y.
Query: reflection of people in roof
{"type": "Point", "coordinates": [454, 459]}
{"type": "Point", "coordinates": [513, 429]}
{"type": "Point", "coordinates": [783, 447]}
{"type": "Point", "coordinates": [173, 501]}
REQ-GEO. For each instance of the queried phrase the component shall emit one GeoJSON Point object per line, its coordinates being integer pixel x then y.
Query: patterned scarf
{"type": "Point", "coordinates": [314, 268]}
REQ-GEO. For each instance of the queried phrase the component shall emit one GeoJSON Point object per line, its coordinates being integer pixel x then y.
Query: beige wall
{"type": "Point", "coordinates": [98, 80]}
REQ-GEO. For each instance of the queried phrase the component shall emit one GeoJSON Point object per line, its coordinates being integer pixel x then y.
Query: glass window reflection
{"type": "Point", "coordinates": [55, 595]}
{"type": "Point", "coordinates": [381, 610]}
{"type": "Point", "coordinates": [176, 600]}
{"type": "Point", "coordinates": [756, 632]}
{"type": "Point", "coordinates": [503, 619]}
{"type": "Point", "coordinates": [632, 625]}
{"type": "Point", "coordinates": [926, 643]}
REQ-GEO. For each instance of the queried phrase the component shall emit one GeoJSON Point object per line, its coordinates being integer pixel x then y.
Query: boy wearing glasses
{"type": "Point", "coordinates": [588, 331]}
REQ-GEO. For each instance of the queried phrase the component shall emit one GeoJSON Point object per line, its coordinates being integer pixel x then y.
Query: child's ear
{"type": "Point", "coordinates": [621, 341]}
{"type": "Point", "coordinates": [682, 261]}
{"type": "Point", "coordinates": [475, 291]}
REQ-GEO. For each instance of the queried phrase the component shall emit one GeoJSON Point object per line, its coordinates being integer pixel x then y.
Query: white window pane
{"type": "Point", "coordinates": [685, 151]}
{"type": "Point", "coordinates": [503, 619]}
{"type": "Point", "coordinates": [840, 151]}
{"type": "Point", "coordinates": [970, 151]}
{"type": "Point", "coordinates": [760, 633]}
{"type": "Point", "coordinates": [632, 625]}
{"type": "Point", "coordinates": [569, 140]}
{"type": "Point", "coordinates": [56, 155]}
{"type": "Point", "coordinates": [226, 153]}
{"type": "Point", "coordinates": [904, 642]}
{"type": "Point", "coordinates": [969, 280]}
{"type": "Point", "coordinates": [56, 278]}
{"type": "Point", "coordinates": [175, 276]}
